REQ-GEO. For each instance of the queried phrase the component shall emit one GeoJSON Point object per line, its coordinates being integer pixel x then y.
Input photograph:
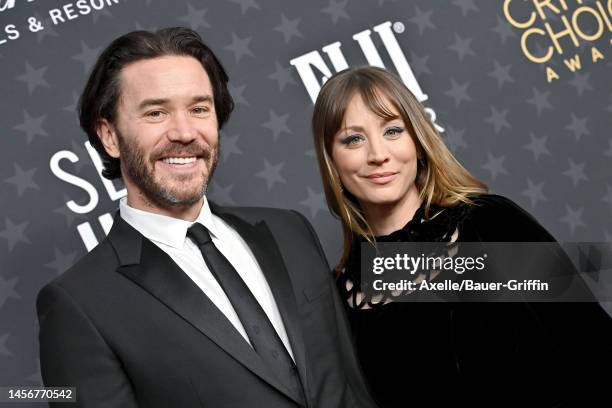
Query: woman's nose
{"type": "Point", "coordinates": [377, 152]}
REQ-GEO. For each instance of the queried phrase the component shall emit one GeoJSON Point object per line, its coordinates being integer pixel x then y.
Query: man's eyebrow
{"type": "Point", "coordinates": [152, 101]}
{"type": "Point", "coordinates": [202, 98]}
{"type": "Point", "coordinates": [164, 101]}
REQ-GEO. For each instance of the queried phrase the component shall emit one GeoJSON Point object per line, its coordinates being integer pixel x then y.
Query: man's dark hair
{"type": "Point", "coordinates": [101, 94]}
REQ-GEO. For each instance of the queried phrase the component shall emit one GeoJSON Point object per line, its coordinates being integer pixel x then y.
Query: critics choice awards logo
{"type": "Point", "coordinates": [564, 30]}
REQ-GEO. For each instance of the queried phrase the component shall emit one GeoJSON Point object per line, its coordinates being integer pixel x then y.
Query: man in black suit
{"type": "Point", "coordinates": [185, 303]}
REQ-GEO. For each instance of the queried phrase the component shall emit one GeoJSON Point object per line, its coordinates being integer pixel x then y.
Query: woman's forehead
{"type": "Point", "coordinates": [375, 101]}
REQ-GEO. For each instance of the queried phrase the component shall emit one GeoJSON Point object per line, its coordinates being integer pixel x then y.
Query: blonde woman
{"type": "Point", "coordinates": [389, 178]}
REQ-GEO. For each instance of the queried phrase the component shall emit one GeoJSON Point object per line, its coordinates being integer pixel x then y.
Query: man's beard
{"type": "Point", "coordinates": [142, 172]}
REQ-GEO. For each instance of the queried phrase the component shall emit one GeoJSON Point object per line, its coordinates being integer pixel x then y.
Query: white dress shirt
{"type": "Point", "coordinates": [170, 235]}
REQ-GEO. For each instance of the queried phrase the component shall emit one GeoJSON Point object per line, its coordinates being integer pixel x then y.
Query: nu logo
{"type": "Point", "coordinates": [307, 63]}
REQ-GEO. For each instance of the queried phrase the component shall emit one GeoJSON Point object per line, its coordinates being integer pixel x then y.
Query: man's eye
{"type": "Point", "coordinates": [200, 110]}
{"type": "Point", "coordinates": [155, 114]}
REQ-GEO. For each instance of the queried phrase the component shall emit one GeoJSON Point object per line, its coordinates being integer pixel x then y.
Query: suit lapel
{"type": "Point", "coordinates": [151, 268]}
{"type": "Point", "coordinates": [260, 240]}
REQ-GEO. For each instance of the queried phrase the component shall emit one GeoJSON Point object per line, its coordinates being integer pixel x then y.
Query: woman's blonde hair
{"type": "Point", "coordinates": [441, 180]}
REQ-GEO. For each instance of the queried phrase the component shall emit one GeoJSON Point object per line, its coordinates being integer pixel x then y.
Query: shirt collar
{"type": "Point", "coordinates": [164, 229]}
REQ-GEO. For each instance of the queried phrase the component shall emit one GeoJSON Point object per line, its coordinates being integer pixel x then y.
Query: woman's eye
{"type": "Point", "coordinates": [394, 131]}
{"type": "Point", "coordinates": [352, 140]}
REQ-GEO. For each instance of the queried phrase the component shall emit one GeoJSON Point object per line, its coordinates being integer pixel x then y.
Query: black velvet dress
{"type": "Point", "coordinates": [479, 354]}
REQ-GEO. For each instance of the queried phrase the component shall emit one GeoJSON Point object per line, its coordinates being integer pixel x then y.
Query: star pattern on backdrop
{"type": "Point", "coordinates": [336, 10]}
{"type": "Point", "coordinates": [33, 78]}
{"type": "Point", "coordinates": [240, 47]}
{"type": "Point", "coordinates": [419, 64]}
{"type": "Point", "coordinates": [578, 126]}
{"type": "Point", "coordinates": [289, 28]}
{"type": "Point", "coordinates": [495, 165]}
{"type": "Point", "coordinates": [220, 194]}
{"type": "Point", "coordinates": [534, 192]}
{"type": "Point", "coordinates": [61, 261]}
{"type": "Point", "coordinates": [229, 146]}
{"type": "Point", "coordinates": [282, 75]}
{"type": "Point", "coordinates": [537, 146]}
{"type": "Point", "coordinates": [540, 100]}
{"type": "Point", "coordinates": [246, 5]}
{"type": "Point", "coordinates": [96, 14]}
{"type": "Point", "coordinates": [14, 233]}
{"type": "Point", "coordinates": [466, 6]}
{"type": "Point", "coordinates": [454, 139]}
{"type": "Point", "coordinates": [31, 126]}
{"type": "Point", "coordinates": [237, 92]}
{"type": "Point", "coordinates": [422, 19]}
{"type": "Point", "coordinates": [576, 172]}
{"type": "Point", "coordinates": [573, 218]}
{"type": "Point", "coordinates": [23, 180]}
{"type": "Point", "coordinates": [462, 46]}
{"type": "Point", "coordinates": [277, 124]}
{"type": "Point", "coordinates": [581, 83]}
{"type": "Point", "coordinates": [69, 216]}
{"type": "Point", "coordinates": [271, 174]}
{"type": "Point", "coordinates": [503, 29]}
{"type": "Point", "coordinates": [72, 107]}
{"type": "Point", "coordinates": [315, 202]}
{"type": "Point", "coordinates": [139, 26]}
{"type": "Point", "coordinates": [87, 56]}
{"type": "Point", "coordinates": [7, 290]}
{"type": "Point", "coordinates": [498, 119]}
{"type": "Point", "coordinates": [47, 32]}
{"type": "Point", "coordinates": [458, 92]}
{"type": "Point", "coordinates": [501, 73]}
{"type": "Point", "coordinates": [195, 18]}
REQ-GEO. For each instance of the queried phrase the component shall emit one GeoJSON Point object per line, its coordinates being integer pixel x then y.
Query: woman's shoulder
{"type": "Point", "coordinates": [488, 204]}
{"type": "Point", "coordinates": [493, 217]}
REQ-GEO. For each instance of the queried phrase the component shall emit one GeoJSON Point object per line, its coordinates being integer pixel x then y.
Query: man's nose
{"type": "Point", "coordinates": [181, 129]}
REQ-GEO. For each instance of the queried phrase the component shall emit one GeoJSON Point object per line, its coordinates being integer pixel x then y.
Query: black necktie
{"type": "Point", "coordinates": [258, 327]}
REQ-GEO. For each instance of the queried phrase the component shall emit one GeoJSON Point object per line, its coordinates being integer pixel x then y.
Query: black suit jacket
{"type": "Point", "coordinates": [127, 327]}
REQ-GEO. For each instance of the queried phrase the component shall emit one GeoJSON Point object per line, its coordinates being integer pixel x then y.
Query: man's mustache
{"type": "Point", "coordinates": [182, 150]}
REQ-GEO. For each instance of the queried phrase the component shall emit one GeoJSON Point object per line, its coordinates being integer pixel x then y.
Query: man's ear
{"type": "Point", "coordinates": [108, 137]}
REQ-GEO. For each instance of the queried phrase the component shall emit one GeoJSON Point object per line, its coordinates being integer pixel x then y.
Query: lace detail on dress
{"type": "Point", "coordinates": [443, 226]}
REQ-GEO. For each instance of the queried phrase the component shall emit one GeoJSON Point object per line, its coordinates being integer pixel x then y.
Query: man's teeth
{"type": "Point", "coordinates": [179, 160]}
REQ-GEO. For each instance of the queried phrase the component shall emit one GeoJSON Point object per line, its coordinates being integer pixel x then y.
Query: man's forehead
{"type": "Point", "coordinates": [163, 64]}
{"type": "Point", "coordinates": [163, 76]}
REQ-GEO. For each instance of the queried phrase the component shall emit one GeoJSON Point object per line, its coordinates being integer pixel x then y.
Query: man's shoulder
{"type": "Point", "coordinates": [274, 216]}
{"type": "Point", "coordinates": [291, 229]}
{"type": "Point", "coordinates": [90, 268]}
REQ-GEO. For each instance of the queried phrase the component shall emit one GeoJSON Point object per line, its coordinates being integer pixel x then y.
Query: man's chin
{"type": "Point", "coordinates": [180, 200]}
{"type": "Point", "coordinates": [178, 197]}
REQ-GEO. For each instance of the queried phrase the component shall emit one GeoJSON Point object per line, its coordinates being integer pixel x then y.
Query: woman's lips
{"type": "Point", "coordinates": [382, 178]}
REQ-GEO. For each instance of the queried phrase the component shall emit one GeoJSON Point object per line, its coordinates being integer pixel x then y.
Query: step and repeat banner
{"type": "Point", "coordinates": [521, 91]}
